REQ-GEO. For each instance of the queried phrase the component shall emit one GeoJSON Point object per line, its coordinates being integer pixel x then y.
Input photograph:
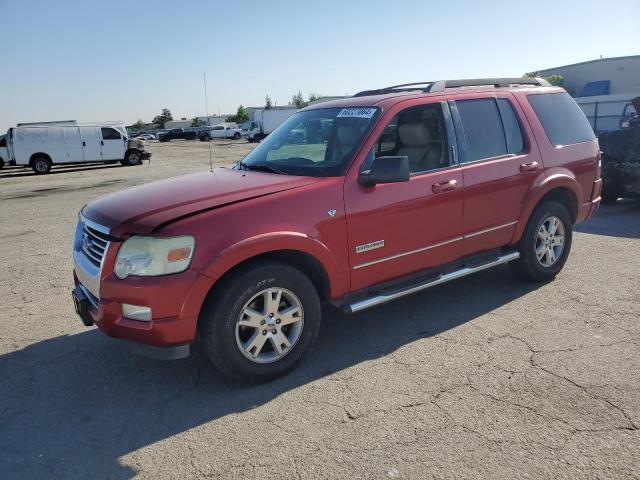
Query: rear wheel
{"type": "Point", "coordinates": [545, 243]}
{"type": "Point", "coordinates": [41, 165]}
{"type": "Point", "coordinates": [260, 322]}
{"type": "Point", "coordinates": [1, 164]}
{"type": "Point", "coordinates": [236, 136]}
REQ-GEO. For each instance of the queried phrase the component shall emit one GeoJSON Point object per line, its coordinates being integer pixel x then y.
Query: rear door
{"type": "Point", "coordinates": [91, 143]}
{"type": "Point", "coordinates": [113, 145]}
{"type": "Point", "coordinates": [499, 165]}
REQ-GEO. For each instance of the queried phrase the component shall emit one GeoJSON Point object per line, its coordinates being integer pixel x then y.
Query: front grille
{"type": "Point", "coordinates": [94, 244]}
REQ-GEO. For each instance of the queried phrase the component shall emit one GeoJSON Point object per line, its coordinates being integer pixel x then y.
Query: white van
{"type": "Point", "coordinates": [40, 146]}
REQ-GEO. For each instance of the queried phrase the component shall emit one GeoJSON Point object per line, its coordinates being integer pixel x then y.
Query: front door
{"type": "Point", "coordinates": [91, 143]}
{"type": "Point", "coordinates": [399, 228]}
{"type": "Point", "coordinates": [499, 165]}
{"type": "Point", "coordinates": [113, 144]}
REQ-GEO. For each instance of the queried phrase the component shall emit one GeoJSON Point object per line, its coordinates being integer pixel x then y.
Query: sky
{"type": "Point", "coordinates": [123, 60]}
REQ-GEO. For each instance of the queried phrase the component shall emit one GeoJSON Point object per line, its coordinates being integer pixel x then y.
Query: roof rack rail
{"type": "Point", "coordinates": [441, 85]}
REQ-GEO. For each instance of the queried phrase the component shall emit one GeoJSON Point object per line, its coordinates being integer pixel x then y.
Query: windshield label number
{"type": "Point", "coordinates": [356, 112]}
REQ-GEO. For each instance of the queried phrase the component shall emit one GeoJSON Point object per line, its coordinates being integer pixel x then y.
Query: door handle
{"type": "Point", "coordinates": [445, 186]}
{"type": "Point", "coordinates": [529, 167]}
{"type": "Point", "coordinates": [101, 142]}
{"type": "Point", "coordinates": [84, 144]}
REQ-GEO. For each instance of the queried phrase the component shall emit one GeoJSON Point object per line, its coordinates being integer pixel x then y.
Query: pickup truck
{"type": "Point", "coordinates": [407, 188]}
{"type": "Point", "coordinates": [176, 134]}
{"type": "Point", "coordinates": [229, 131]}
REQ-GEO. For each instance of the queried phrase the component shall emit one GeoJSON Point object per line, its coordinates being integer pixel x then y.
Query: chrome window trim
{"type": "Point", "coordinates": [434, 245]}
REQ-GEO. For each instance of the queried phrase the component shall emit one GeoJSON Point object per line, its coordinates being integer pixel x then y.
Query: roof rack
{"type": "Point", "coordinates": [441, 85]}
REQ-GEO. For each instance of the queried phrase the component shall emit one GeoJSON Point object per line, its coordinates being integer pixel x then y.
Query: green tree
{"type": "Point", "coordinates": [298, 100]}
{"type": "Point", "coordinates": [139, 125]}
{"type": "Point", "coordinates": [556, 80]}
{"type": "Point", "coordinates": [196, 122]}
{"type": "Point", "coordinates": [163, 118]}
{"type": "Point", "coordinates": [241, 115]}
{"type": "Point", "coordinates": [314, 96]}
{"type": "Point", "coordinates": [267, 102]}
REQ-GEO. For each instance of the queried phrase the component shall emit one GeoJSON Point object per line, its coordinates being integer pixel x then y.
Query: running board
{"type": "Point", "coordinates": [384, 297]}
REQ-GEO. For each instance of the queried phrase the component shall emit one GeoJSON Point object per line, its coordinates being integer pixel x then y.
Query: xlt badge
{"type": "Point", "coordinates": [369, 246]}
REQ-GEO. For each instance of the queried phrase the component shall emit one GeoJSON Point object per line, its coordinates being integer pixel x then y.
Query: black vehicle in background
{"type": "Point", "coordinates": [621, 160]}
{"type": "Point", "coordinates": [178, 133]}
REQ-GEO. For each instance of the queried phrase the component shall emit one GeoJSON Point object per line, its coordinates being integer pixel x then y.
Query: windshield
{"type": "Point", "coordinates": [319, 142]}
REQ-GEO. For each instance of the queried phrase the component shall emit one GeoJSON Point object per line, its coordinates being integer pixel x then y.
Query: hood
{"type": "Point", "coordinates": [147, 207]}
{"type": "Point", "coordinates": [136, 143]}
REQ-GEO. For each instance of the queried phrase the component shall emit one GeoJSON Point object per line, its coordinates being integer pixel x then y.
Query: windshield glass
{"type": "Point", "coordinates": [319, 142]}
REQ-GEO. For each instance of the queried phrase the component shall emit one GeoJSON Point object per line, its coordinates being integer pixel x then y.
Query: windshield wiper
{"type": "Point", "coordinates": [261, 167]}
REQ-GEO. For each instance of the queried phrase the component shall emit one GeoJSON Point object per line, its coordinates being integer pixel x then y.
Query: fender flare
{"type": "Point", "coordinates": [251, 247]}
{"type": "Point", "coordinates": [558, 179]}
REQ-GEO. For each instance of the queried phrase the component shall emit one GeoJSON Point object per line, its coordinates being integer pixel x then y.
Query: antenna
{"type": "Point", "coordinates": [206, 109]}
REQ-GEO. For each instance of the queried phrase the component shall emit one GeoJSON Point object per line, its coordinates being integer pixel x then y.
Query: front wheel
{"type": "Point", "coordinates": [41, 165]}
{"type": "Point", "coordinates": [260, 322]}
{"type": "Point", "coordinates": [545, 243]}
{"type": "Point", "coordinates": [132, 158]}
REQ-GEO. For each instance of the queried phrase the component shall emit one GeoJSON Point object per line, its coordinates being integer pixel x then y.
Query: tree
{"type": "Point", "coordinates": [298, 100]}
{"type": "Point", "coordinates": [139, 125]}
{"type": "Point", "coordinates": [314, 96]}
{"type": "Point", "coordinates": [556, 80]}
{"type": "Point", "coordinates": [163, 118]}
{"type": "Point", "coordinates": [196, 122]}
{"type": "Point", "coordinates": [241, 115]}
{"type": "Point", "coordinates": [267, 102]}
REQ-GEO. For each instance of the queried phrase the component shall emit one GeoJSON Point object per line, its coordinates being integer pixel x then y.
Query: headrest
{"type": "Point", "coordinates": [414, 134]}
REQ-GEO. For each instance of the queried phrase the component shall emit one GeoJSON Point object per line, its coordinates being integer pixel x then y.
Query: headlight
{"type": "Point", "coordinates": [150, 257]}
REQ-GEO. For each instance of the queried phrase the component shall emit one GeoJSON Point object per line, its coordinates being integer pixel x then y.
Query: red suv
{"type": "Point", "coordinates": [390, 192]}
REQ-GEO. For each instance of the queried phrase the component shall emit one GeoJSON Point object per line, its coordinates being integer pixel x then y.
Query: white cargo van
{"type": "Point", "coordinates": [40, 146]}
{"type": "Point", "coordinates": [265, 121]}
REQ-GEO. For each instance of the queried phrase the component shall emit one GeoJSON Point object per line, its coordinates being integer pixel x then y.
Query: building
{"type": "Point", "coordinates": [171, 124]}
{"type": "Point", "coordinates": [603, 88]}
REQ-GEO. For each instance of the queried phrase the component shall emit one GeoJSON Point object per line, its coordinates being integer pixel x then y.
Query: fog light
{"type": "Point", "coordinates": [136, 312]}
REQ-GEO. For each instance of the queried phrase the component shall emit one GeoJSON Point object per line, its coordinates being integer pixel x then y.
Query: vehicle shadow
{"type": "Point", "coordinates": [72, 406]}
{"type": "Point", "coordinates": [16, 172]}
{"type": "Point", "coordinates": [621, 219]}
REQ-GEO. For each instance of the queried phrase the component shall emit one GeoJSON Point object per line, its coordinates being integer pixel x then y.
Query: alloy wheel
{"type": "Point", "coordinates": [269, 325]}
{"type": "Point", "coordinates": [550, 241]}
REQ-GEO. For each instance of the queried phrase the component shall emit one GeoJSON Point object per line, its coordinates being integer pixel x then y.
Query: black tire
{"type": "Point", "coordinates": [610, 194]}
{"type": "Point", "coordinates": [132, 158]}
{"type": "Point", "coordinates": [41, 164]}
{"type": "Point", "coordinates": [236, 136]}
{"type": "Point", "coordinates": [220, 314]}
{"type": "Point", "coordinates": [528, 266]}
{"type": "Point", "coordinates": [1, 164]}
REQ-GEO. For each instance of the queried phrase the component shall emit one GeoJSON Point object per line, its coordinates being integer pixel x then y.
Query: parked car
{"type": "Point", "coordinates": [4, 152]}
{"type": "Point", "coordinates": [223, 130]}
{"type": "Point", "coordinates": [408, 192]}
{"type": "Point", "coordinates": [145, 136]}
{"type": "Point", "coordinates": [177, 134]}
{"type": "Point", "coordinates": [621, 159]}
{"type": "Point", "coordinates": [41, 146]}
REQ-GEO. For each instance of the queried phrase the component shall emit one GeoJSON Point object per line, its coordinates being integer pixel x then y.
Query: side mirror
{"type": "Point", "coordinates": [386, 170]}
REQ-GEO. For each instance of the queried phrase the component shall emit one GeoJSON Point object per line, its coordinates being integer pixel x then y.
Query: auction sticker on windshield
{"type": "Point", "coordinates": [356, 112]}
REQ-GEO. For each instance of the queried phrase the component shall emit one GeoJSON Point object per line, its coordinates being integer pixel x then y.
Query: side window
{"type": "Point", "coordinates": [110, 134]}
{"type": "Point", "coordinates": [418, 133]}
{"type": "Point", "coordinates": [512, 130]}
{"type": "Point", "coordinates": [483, 132]}
{"type": "Point", "coordinates": [562, 119]}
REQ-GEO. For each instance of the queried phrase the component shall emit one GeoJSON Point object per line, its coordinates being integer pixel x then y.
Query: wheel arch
{"type": "Point", "coordinates": [561, 188]}
{"type": "Point", "coordinates": [39, 154]}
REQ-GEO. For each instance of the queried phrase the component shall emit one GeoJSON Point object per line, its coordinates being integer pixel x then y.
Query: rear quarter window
{"type": "Point", "coordinates": [562, 119]}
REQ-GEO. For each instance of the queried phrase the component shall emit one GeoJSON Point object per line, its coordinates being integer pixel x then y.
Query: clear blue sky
{"type": "Point", "coordinates": [124, 60]}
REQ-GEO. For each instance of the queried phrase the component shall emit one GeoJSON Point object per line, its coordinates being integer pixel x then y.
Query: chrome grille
{"type": "Point", "coordinates": [94, 244]}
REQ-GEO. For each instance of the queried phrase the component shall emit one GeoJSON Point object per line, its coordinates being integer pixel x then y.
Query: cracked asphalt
{"type": "Point", "coordinates": [487, 377]}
